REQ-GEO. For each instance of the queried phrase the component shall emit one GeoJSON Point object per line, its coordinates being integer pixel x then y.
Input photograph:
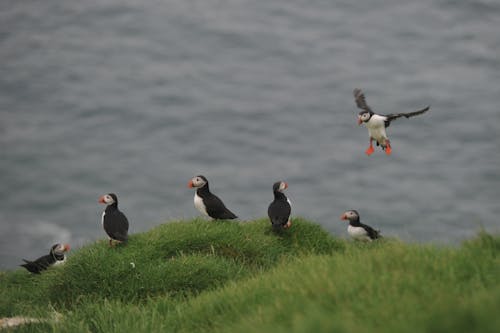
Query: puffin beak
{"type": "Point", "coordinates": [286, 185]}
{"type": "Point", "coordinates": [359, 121]}
{"type": "Point", "coordinates": [343, 217]}
{"type": "Point", "coordinates": [101, 200]}
{"type": "Point", "coordinates": [190, 184]}
{"type": "Point", "coordinates": [67, 247]}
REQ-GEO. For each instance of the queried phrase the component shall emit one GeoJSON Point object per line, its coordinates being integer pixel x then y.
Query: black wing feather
{"type": "Point", "coordinates": [372, 233]}
{"type": "Point", "coordinates": [39, 264]}
{"type": "Point", "coordinates": [279, 212]}
{"type": "Point", "coordinates": [359, 97]}
{"type": "Point", "coordinates": [116, 225]}
{"type": "Point", "coordinates": [392, 116]}
{"type": "Point", "coordinates": [216, 208]}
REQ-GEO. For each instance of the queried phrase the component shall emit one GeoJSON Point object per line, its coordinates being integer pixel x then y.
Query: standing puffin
{"type": "Point", "coordinates": [358, 230]}
{"type": "Point", "coordinates": [207, 203]}
{"type": "Point", "coordinates": [279, 210]}
{"type": "Point", "coordinates": [377, 123]}
{"type": "Point", "coordinates": [114, 222]}
{"type": "Point", "coordinates": [56, 256]}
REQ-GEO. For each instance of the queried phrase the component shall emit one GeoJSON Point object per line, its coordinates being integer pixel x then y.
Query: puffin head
{"type": "Point", "coordinates": [350, 215]}
{"type": "Point", "coordinates": [197, 182]}
{"type": "Point", "coordinates": [108, 199]}
{"type": "Point", "coordinates": [59, 249]}
{"type": "Point", "coordinates": [280, 186]}
{"type": "Point", "coordinates": [364, 116]}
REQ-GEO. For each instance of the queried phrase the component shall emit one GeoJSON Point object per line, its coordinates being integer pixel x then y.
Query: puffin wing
{"type": "Point", "coordinates": [39, 264]}
{"type": "Point", "coordinates": [279, 212]}
{"type": "Point", "coordinates": [359, 97]}
{"type": "Point", "coordinates": [393, 116]}
{"type": "Point", "coordinates": [372, 233]}
{"type": "Point", "coordinates": [116, 225]}
{"type": "Point", "coordinates": [216, 208]}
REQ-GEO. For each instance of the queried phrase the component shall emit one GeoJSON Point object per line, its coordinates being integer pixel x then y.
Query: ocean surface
{"type": "Point", "coordinates": [136, 97]}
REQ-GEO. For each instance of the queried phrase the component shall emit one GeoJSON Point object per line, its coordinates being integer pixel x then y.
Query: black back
{"type": "Point", "coordinates": [115, 223]}
{"type": "Point", "coordinates": [214, 206]}
{"type": "Point", "coordinates": [44, 262]}
{"type": "Point", "coordinates": [279, 210]}
{"type": "Point", "coordinates": [372, 233]}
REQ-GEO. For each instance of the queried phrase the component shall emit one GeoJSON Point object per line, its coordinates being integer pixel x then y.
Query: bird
{"type": "Point", "coordinates": [377, 123]}
{"type": "Point", "coordinates": [114, 222]}
{"type": "Point", "coordinates": [56, 256]}
{"type": "Point", "coordinates": [279, 210]}
{"type": "Point", "coordinates": [208, 203]}
{"type": "Point", "coordinates": [358, 230]}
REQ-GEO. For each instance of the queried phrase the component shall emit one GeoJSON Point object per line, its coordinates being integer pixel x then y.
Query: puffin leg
{"type": "Point", "coordinates": [110, 242]}
{"type": "Point", "coordinates": [288, 224]}
{"type": "Point", "coordinates": [388, 149]}
{"type": "Point", "coordinates": [370, 149]}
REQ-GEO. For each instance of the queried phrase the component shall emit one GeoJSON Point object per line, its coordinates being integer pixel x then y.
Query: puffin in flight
{"type": "Point", "coordinates": [279, 210]}
{"type": "Point", "coordinates": [207, 203]}
{"type": "Point", "coordinates": [358, 230]}
{"type": "Point", "coordinates": [56, 256]}
{"type": "Point", "coordinates": [114, 222]}
{"type": "Point", "coordinates": [377, 123]}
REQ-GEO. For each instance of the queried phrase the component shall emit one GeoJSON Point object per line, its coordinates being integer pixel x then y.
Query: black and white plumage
{"type": "Point", "coordinates": [358, 230]}
{"type": "Point", "coordinates": [377, 123]}
{"type": "Point", "coordinates": [279, 210]}
{"type": "Point", "coordinates": [56, 256]}
{"type": "Point", "coordinates": [114, 222]}
{"type": "Point", "coordinates": [208, 203]}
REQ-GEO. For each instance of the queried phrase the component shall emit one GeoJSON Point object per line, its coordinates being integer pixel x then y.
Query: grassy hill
{"type": "Point", "coordinates": [200, 276]}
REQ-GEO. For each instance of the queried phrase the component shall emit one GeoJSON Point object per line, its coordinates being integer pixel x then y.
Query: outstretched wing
{"type": "Point", "coordinates": [392, 116]}
{"type": "Point", "coordinates": [359, 97]}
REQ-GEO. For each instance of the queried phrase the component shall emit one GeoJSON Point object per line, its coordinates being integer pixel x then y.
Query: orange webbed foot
{"type": "Point", "coordinates": [369, 151]}
{"type": "Point", "coordinates": [388, 150]}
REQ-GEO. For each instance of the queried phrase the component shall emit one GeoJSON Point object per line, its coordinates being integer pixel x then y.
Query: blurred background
{"type": "Point", "coordinates": [136, 97]}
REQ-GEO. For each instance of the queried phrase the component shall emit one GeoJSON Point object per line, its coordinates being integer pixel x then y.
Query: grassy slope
{"type": "Point", "coordinates": [240, 277]}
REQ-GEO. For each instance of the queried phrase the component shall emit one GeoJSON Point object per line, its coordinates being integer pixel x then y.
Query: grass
{"type": "Point", "coordinates": [201, 276]}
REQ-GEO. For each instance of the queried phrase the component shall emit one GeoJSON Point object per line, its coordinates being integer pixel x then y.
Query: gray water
{"type": "Point", "coordinates": [136, 97]}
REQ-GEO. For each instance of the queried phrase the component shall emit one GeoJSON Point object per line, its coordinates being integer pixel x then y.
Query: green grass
{"type": "Point", "coordinates": [201, 276]}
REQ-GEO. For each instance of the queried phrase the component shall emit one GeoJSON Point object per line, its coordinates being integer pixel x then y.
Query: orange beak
{"type": "Point", "coordinates": [360, 121]}
{"type": "Point", "coordinates": [190, 184]}
{"type": "Point", "coordinates": [343, 217]}
{"type": "Point", "coordinates": [101, 199]}
{"type": "Point", "coordinates": [67, 247]}
{"type": "Point", "coordinates": [286, 185]}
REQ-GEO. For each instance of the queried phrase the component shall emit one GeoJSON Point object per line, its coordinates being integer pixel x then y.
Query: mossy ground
{"type": "Point", "coordinates": [202, 276]}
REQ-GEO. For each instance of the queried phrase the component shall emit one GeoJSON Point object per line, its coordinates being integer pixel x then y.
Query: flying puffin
{"type": "Point", "coordinates": [377, 123]}
{"type": "Point", "coordinates": [114, 222]}
{"type": "Point", "coordinates": [279, 210]}
{"type": "Point", "coordinates": [207, 203]}
{"type": "Point", "coordinates": [56, 256]}
{"type": "Point", "coordinates": [358, 230]}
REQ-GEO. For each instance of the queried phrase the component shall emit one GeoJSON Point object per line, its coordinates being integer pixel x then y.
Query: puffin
{"type": "Point", "coordinates": [208, 203]}
{"type": "Point", "coordinates": [114, 222]}
{"type": "Point", "coordinates": [377, 123]}
{"type": "Point", "coordinates": [55, 257]}
{"type": "Point", "coordinates": [279, 210]}
{"type": "Point", "coordinates": [358, 230]}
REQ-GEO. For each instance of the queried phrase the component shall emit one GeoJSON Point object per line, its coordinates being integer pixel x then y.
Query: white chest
{"type": "Point", "coordinates": [376, 128]}
{"type": "Point", "coordinates": [357, 233]}
{"type": "Point", "coordinates": [198, 203]}
{"type": "Point", "coordinates": [102, 218]}
{"type": "Point", "coordinates": [60, 262]}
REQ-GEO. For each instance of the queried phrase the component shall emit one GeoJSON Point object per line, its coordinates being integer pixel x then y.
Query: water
{"type": "Point", "coordinates": [136, 97]}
